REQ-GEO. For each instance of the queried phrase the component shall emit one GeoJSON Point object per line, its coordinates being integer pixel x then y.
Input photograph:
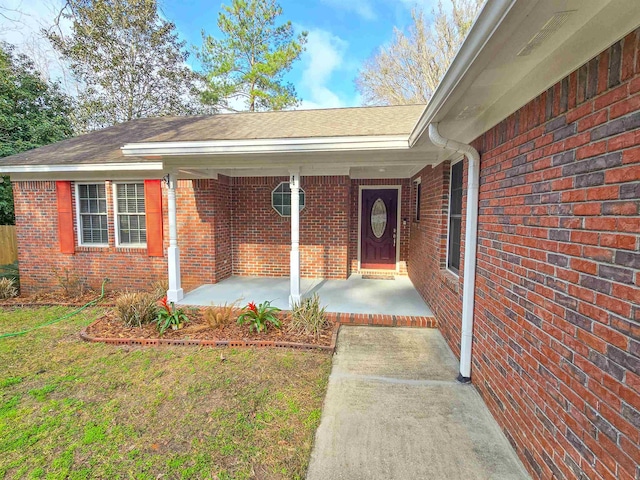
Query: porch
{"type": "Point", "coordinates": [356, 295]}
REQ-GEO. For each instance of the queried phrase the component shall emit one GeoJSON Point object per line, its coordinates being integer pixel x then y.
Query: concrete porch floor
{"type": "Point", "coordinates": [354, 295]}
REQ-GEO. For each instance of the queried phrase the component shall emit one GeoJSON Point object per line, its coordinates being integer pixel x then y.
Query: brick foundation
{"type": "Point", "coordinates": [556, 354]}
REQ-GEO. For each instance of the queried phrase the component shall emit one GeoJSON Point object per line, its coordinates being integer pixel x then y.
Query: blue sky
{"type": "Point", "coordinates": [342, 35]}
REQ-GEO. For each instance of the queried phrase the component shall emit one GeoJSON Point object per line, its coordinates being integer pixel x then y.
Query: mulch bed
{"type": "Point", "coordinates": [197, 332]}
{"type": "Point", "coordinates": [57, 299]}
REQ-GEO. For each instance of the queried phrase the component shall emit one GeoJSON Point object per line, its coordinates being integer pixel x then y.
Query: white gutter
{"type": "Point", "coordinates": [470, 245]}
{"type": "Point", "coordinates": [277, 145]}
{"type": "Point", "coordinates": [489, 19]}
{"type": "Point", "coordinates": [88, 167]}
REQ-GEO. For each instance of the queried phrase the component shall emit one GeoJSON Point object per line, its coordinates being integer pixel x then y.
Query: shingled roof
{"type": "Point", "coordinates": [103, 146]}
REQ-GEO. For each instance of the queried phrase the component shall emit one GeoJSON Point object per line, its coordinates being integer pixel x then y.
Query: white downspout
{"type": "Point", "coordinates": [175, 292]}
{"type": "Point", "coordinates": [470, 245]}
{"type": "Point", "coordinates": [294, 270]}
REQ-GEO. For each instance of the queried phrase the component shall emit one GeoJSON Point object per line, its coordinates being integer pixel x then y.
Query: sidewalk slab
{"type": "Point", "coordinates": [393, 410]}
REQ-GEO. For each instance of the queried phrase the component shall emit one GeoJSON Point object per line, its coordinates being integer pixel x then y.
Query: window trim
{"type": "Point", "coordinates": [116, 221]}
{"type": "Point", "coordinates": [417, 184]}
{"type": "Point", "coordinates": [446, 259]}
{"type": "Point", "coordinates": [273, 205]}
{"type": "Point", "coordinates": [78, 215]}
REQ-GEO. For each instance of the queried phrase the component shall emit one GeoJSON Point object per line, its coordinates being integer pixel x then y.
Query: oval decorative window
{"type": "Point", "coordinates": [379, 218]}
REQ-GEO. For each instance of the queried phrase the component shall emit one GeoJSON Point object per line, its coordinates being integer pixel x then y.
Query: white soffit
{"type": "Point", "coordinates": [556, 37]}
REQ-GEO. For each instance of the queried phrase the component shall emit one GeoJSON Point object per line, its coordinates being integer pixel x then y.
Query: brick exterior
{"type": "Point", "coordinates": [225, 226]}
{"type": "Point", "coordinates": [39, 254]}
{"type": "Point", "coordinates": [262, 238]}
{"type": "Point", "coordinates": [556, 354]}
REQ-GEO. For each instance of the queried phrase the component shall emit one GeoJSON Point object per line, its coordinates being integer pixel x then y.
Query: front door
{"type": "Point", "coordinates": [379, 228]}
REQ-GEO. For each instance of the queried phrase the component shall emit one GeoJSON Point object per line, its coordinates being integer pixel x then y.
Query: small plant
{"type": "Point", "coordinates": [135, 309]}
{"type": "Point", "coordinates": [259, 316]}
{"type": "Point", "coordinates": [70, 283]}
{"type": "Point", "coordinates": [8, 288]}
{"type": "Point", "coordinates": [308, 317]}
{"type": "Point", "coordinates": [220, 315]}
{"type": "Point", "coordinates": [170, 317]}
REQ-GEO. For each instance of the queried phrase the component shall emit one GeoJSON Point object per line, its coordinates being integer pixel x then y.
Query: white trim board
{"type": "Point", "coordinates": [89, 167]}
{"type": "Point", "coordinates": [399, 220]}
{"type": "Point", "coordinates": [277, 145]}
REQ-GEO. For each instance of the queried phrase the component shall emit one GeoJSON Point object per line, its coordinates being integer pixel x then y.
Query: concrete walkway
{"type": "Point", "coordinates": [354, 295]}
{"type": "Point", "coordinates": [394, 411]}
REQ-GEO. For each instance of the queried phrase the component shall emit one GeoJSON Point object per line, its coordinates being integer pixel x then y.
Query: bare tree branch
{"type": "Point", "coordinates": [410, 68]}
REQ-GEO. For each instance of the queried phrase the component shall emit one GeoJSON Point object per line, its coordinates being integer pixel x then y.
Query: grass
{"type": "Point", "coordinates": [70, 409]}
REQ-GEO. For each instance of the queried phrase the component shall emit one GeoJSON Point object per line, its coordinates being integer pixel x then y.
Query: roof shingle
{"type": "Point", "coordinates": [103, 146]}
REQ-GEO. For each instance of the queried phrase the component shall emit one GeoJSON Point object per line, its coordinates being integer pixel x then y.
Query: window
{"type": "Point", "coordinates": [281, 199]}
{"type": "Point", "coordinates": [455, 217]}
{"type": "Point", "coordinates": [91, 204]}
{"type": "Point", "coordinates": [131, 226]}
{"type": "Point", "coordinates": [418, 188]}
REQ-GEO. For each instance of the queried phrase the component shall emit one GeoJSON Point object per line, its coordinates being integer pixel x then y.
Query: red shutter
{"type": "Point", "coordinates": [153, 210]}
{"type": "Point", "coordinates": [65, 217]}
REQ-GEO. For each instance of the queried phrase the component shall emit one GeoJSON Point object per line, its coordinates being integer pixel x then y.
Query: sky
{"type": "Point", "coordinates": [342, 34]}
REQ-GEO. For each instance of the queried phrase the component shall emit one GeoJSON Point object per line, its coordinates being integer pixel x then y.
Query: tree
{"type": "Point", "coordinates": [129, 61]}
{"type": "Point", "coordinates": [247, 66]}
{"type": "Point", "coordinates": [410, 68]}
{"type": "Point", "coordinates": [32, 113]}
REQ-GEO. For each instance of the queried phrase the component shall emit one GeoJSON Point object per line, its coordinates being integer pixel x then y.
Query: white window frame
{"type": "Point", "coordinates": [79, 219]}
{"type": "Point", "coordinates": [416, 206]}
{"type": "Point", "coordinates": [446, 258]}
{"type": "Point", "coordinates": [116, 220]}
{"type": "Point", "coordinates": [301, 205]}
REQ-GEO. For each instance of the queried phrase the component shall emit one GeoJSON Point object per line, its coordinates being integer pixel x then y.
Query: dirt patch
{"type": "Point", "coordinates": [110, 326]}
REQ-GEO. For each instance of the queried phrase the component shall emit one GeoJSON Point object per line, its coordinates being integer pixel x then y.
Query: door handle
{"type": "Point", "coordinates": [394, 237]}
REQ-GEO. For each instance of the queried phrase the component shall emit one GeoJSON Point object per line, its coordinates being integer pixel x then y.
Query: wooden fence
{"type": "Point", "coordinates": [8, 244]}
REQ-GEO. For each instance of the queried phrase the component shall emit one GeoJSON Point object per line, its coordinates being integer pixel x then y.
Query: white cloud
{"type": "Point", "coordinates": [363, 8]}
{"type": "Point", "coordinates": [324, 57]}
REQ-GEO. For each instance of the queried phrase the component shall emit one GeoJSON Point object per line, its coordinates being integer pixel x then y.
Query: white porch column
{"type": "Point", "coordinates": [294, 184]}
{"type": "Point", "coordinates": [175, 292]}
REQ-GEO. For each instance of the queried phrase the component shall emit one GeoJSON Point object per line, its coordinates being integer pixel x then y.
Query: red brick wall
{"type": "Point", "coordinates": [262, 238]}
{"type": "Point", "coordinates": [225, 226]}
{"type": "Point", "coordinates": [428, 250]}
{"type": "Point", "coordinates": [39, 257]}
{"type": "Point", "coordinates": [204, 230]}
{"type": "Point", "coordinates": [557, 319]}
{"type": "Point", "coordinates": [405, 213]}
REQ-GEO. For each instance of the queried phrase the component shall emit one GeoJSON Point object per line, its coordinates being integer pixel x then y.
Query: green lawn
{"type": "Point", "coordinates": [70, 409]}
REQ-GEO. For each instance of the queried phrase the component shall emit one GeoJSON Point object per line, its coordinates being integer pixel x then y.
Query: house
{"type": "Point", "coordinates": [511, 201]}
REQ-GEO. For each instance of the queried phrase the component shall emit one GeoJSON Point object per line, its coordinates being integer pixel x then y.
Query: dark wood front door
{"type": "Point", "coordinates": [379, 228]}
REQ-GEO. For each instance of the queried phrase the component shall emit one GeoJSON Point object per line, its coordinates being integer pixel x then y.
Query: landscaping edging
{"type": "Point", "coordinates": [157, 342]}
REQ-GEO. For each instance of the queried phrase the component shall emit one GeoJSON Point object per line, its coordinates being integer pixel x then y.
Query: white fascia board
{"type": "Point", "coordinates": [77, 168]}
{"type": "Point", "coordinates": [488, 21]}
{"type": "Point", "coordinates": [263, 146]}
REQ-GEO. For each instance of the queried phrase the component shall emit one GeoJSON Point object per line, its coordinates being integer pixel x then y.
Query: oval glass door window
{"type": "Point", "coordinates": [379, 218]}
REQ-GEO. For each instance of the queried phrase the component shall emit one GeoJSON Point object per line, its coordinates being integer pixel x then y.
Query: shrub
{"type": "Point", "coordinates": [308, 317]}
{"type": "Point", "coordinates": [70, 283]}
{"type": "Point", "coordinates": [259, 316]}
{"type": "Point", "coordinates": [169, 316]}
{"type": "Point", "coordinates": [135, 309]}
{"type": "Point", "coordinates": [219, 315]}
{"type": "Point", "coordinates": [159, 288]}
{"type": "Point", "coordinates": [8, 288]}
